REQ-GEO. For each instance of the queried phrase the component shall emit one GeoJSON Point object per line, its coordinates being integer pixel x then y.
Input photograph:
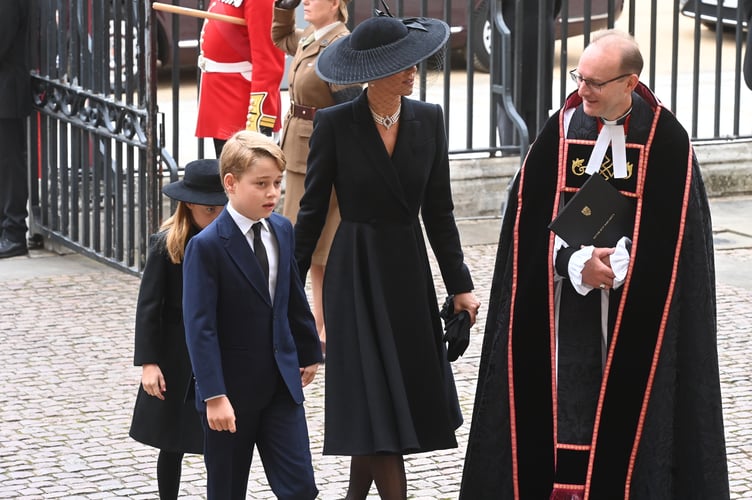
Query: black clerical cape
{"type": "Point", "coordinates": [655, 430]}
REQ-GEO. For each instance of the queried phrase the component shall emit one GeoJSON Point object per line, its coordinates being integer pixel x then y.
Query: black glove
{"type": "Point", "coordinates": [267, 131]}
{"type": "Point", "coordinates": [287, 4]}
{"type": "Point", "coordinates": [456, 328]}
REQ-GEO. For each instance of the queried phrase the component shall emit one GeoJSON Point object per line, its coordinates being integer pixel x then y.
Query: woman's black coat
{"type": "Point", "coordinates": [389, 387]}
{"type": "Point", "coordinates": [172, 424]}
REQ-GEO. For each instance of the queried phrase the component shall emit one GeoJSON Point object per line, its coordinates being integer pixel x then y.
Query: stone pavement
{"type": "Point", "coordinates": [66, 330]}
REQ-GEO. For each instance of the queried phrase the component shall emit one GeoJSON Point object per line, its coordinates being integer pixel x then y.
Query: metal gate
{"type": "Point", "coordinates": [96, 139]}
{"type": "Point", "coordinates": [94, 153]}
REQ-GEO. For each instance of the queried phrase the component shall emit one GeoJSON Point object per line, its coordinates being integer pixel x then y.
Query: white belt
{"type": "Point", "coordinates": [244, 67]}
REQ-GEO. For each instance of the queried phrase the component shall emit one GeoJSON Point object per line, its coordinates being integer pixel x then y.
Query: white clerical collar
{"type": "Point", "coordinates": [612, 132]}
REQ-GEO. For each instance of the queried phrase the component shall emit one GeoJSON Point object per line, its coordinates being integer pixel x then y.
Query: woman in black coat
{"type": "Point", "coordinates": [165, 415]}
{"type": "Point", "coordinates": [389, 386]}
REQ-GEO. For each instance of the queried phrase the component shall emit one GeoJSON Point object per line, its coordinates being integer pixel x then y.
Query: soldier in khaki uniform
{"type": "Point", "coordinates": [308, 93]}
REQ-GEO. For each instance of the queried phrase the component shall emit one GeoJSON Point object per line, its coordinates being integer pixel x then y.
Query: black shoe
{"type": "Point", "coordinates": [10, 248]}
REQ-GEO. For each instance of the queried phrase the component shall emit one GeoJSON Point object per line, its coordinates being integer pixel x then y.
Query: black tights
{"type": "Point", "coordinates": [387, 471]}
{"type": "Point", "coordinates": [218, 145]}
{"type": "Point", "coordinates": [168, 474]}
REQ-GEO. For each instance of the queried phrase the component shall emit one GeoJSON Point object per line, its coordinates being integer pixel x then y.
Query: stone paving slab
{"type": "Point", "coordinates": [66, 331]}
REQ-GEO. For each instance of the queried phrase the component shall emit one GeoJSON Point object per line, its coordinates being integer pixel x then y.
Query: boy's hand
{"type": "Point", "coordinates": [307, 374]}
{"type": "Point", "coordinates": [153, 380]}
{"type": "Point", "coordinates": [220, 414]}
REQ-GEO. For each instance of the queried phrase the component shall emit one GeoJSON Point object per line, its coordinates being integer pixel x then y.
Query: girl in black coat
{"type": "Point", "coordinates": [165, 415]}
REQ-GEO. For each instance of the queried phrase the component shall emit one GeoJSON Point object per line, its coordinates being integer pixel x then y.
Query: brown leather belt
{"type": "Point", "coordinates": [300, 111]}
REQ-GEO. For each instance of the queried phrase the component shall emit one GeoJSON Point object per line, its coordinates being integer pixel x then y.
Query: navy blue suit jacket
{"type": "Point", "coordinates": [237, 338]}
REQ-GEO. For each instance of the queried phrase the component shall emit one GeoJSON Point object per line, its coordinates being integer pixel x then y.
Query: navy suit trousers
{"type": "Point", "coordinates": [278, 427]}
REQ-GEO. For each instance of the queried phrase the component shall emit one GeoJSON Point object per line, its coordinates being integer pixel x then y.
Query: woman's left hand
{"type": "Point", "coordinates": [469, 302]}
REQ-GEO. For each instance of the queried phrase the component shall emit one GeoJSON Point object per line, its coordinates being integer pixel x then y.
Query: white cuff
{"type": "Point", "coordinates": [575, 267]}
{"type": "Point", "coordinates": [620, 261]}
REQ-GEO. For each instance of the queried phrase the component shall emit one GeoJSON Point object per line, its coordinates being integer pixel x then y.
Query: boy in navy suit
{"type": "Point", "coordinates": [250, 332]}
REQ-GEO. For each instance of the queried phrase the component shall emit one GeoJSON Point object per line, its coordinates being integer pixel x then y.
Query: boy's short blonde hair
{"type": "Point", "coordinates": [241, 151]}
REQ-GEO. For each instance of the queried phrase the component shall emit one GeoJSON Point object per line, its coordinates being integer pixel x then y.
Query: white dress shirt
{"type": "Point", "coordinates": [270, 242]}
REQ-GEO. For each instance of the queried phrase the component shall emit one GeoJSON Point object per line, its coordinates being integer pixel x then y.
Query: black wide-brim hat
{"type": "Point", "coordinates": [381, 46]}
{"type": "Point", "coordinates": [200, 184]}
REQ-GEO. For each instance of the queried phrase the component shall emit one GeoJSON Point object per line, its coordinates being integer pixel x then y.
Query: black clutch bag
{"type": "Point", "coordinates": [456, 329]}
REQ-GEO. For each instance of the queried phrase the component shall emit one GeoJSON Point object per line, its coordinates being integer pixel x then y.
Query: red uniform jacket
{"type": "Point", "coordinates": [233, 96]}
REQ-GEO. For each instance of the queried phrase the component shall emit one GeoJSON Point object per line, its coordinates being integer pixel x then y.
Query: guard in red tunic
{"type": "Point", "coordinates": [241, 72]}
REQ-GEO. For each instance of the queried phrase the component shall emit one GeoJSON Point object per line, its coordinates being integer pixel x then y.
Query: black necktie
{"type": "Point", "coordinates": [260, 250]}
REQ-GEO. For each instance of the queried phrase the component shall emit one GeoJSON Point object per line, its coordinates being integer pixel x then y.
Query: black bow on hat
{"type": "Point", "coordinates": [379, 47]}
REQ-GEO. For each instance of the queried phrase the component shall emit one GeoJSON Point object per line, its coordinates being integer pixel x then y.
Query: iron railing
{"type": "Point", "coordinates": [694, 70]}
{"type": "Point", "coordinates": [115, 89]}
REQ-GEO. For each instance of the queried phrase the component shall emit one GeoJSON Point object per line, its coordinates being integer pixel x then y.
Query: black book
{"type": "Point", "coordinates": [598, 214]}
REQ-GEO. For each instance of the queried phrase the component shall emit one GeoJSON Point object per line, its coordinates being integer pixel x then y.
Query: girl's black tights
{"type": "Point", "coordinates": [169, 465]}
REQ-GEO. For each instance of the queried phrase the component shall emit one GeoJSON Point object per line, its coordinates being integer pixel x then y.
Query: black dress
{"type": "Point", "coordinates": [389, 386]}
{"type": "Point", "coordinates": [172, 424]}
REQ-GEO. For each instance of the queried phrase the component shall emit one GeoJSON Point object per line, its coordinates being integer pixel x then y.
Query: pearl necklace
{"type": "Point", "coordinates": [387, 120]}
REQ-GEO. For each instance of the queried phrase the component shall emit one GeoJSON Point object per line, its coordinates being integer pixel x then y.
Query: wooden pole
{"type": "Point", "coordinates": [185, 11]}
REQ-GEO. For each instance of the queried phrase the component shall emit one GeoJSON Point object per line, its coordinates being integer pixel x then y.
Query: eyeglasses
{"type": "Point", "coordinates": [578, 79]}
